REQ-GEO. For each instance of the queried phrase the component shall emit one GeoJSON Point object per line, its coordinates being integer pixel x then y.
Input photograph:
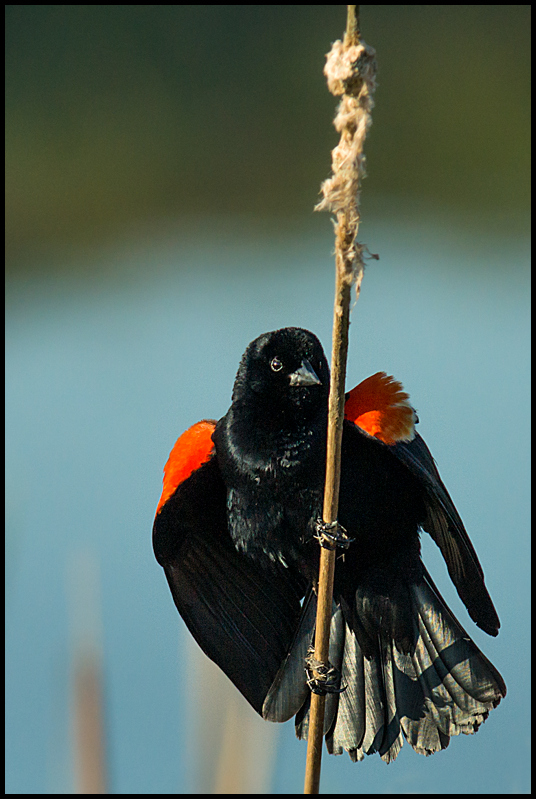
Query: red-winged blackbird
{"type": "Point", "coordinates": [235, 532]}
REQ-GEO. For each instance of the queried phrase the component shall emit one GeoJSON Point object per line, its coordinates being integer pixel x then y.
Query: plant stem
{"type": "Point", "coordinates": [350, 70]}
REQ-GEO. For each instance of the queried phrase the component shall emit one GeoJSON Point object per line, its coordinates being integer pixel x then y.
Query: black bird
{"type": "Point", "coordinates": [235, 533]}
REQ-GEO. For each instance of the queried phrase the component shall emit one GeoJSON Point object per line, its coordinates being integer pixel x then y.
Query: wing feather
{"type": "Point", "coordinates": [243, 616]}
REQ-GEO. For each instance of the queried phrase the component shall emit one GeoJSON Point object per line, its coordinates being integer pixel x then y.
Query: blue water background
{"type": "Point", "coordinates": [104, 372]}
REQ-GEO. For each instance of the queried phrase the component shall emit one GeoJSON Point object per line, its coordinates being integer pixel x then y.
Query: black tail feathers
{"type": "Point", "coordinates": [441, 686]}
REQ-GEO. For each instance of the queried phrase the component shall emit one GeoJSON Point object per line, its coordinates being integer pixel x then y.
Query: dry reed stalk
{"type": "Point", "coordinates": [351, 72]}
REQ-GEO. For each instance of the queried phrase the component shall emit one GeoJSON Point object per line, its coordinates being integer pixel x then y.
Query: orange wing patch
{"type": "Point", "coordinates": [191, 451]}
{"type": "Point", "coordinates": [380, 406]}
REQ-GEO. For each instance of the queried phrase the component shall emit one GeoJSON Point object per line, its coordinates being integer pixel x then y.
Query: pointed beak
{"type": "Point", "coordinates": [305, 375]}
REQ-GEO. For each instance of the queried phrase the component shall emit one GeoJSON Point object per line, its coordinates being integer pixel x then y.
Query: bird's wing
{"type": "Point", "coordinates": [380, 407]}
{"type": "Point", "coordinates": [242, 616]}
{"type": "Point", "coordinates": [444, 524]}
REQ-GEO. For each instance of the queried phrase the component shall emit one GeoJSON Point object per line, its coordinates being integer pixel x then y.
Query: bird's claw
{"type": "Point", "coordinates": [331, 535]}
{"type": "Point", "coordinates": [322, 678]}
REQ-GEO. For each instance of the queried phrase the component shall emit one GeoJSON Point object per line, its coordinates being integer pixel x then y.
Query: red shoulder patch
{"type": "Point", "coordinates": [191, 451]}
{"type": "Point", "coordinates": [380, 406]}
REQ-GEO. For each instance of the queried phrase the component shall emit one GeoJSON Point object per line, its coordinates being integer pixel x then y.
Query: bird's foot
{"type": "Point", "coordinates": [322, 678]}
{"type": "Point", "coordinates": [331, 535]}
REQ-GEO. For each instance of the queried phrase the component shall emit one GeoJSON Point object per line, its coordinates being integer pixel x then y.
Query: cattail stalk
{"type": "Point", "coordinates": [350, 70]}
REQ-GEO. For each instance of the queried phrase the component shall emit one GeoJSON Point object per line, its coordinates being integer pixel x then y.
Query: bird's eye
{"type": "Point", "coordinates": [276, 365]}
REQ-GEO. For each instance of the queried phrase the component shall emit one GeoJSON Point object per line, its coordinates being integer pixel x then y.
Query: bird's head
{"type": "Point", "coordinates": [284, 372]}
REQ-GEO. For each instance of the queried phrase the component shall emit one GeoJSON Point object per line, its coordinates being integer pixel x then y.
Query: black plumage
{"type": "Point", "coordinates": [235, 538]}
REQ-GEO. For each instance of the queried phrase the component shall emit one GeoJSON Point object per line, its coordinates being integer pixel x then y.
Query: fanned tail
{"type": "Point", "coordinates": [442, 686]}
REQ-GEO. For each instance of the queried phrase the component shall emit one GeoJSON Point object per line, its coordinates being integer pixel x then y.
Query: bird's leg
{"type": "Point", "coordinates": [322, 678]}
{"type": "Point", "coordinates": [331, 535]}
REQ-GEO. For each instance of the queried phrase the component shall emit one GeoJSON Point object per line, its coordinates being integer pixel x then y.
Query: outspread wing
{"type": "Point", "coordinates": [380, 407]}
{"type": "Point", "coordinates": [443, 523]}
{"type": "Point", "coordinates": [242, 616]}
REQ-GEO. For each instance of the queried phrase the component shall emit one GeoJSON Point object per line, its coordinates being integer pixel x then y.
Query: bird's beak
{"type": "Point", "coordinates": [305, 375]}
